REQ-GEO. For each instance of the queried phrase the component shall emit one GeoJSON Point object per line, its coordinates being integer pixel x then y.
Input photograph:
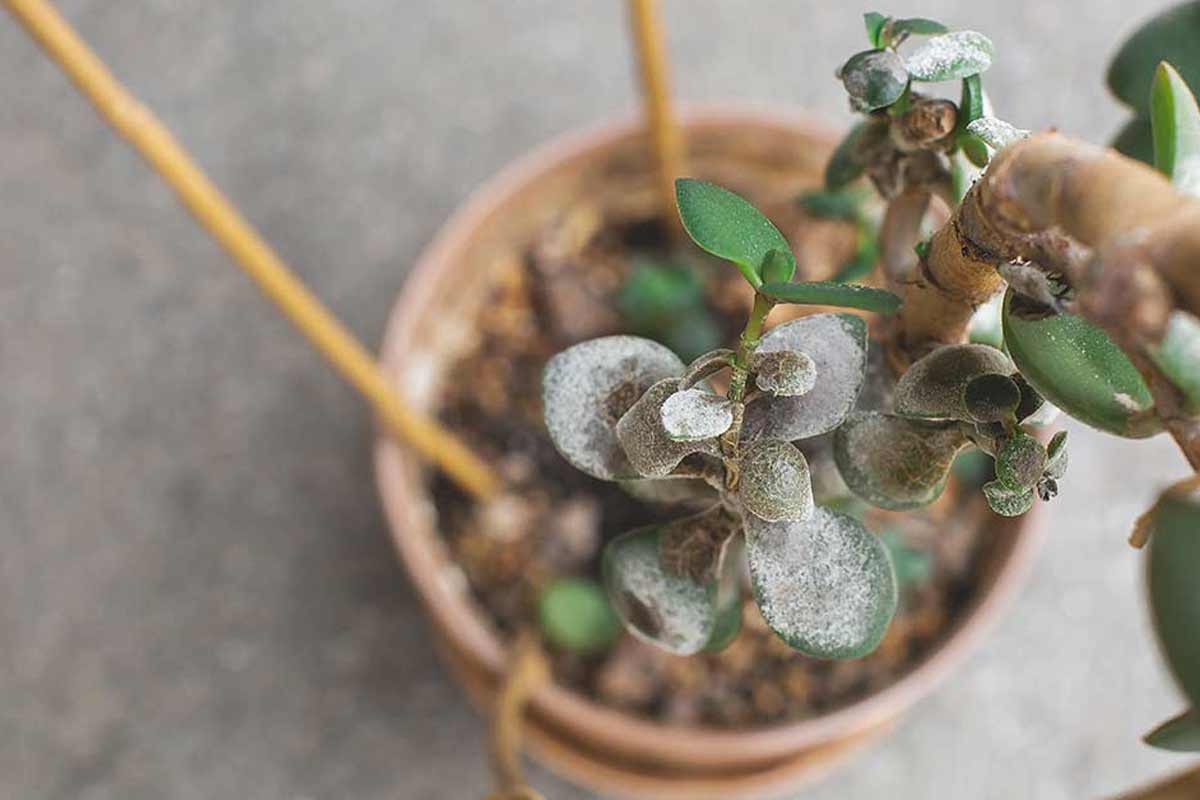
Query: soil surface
{"type": "Point", "coordinates": [556, 520]}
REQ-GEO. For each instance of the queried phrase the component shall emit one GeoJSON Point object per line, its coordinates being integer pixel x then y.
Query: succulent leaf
{"type": "Point", "coordinates": [775, 483]}
{"type": "Point", "coordinates": [991, 398]}
{"type": "Point", "coordinates": [728, 226]}
{"type": "Point", "coordinates": [1136, 140]}
{"type": "Point", "coordinates": [778, 266]}
{"type": "Point", "coordinates": [833, 293]}
{"type": "Point", "coordinates": [1175, 122]}
{"type": "Point", "coordinates": [692, 415]}
{"type": "Point", "coordinates": [672, 490]}
{"type": "Point", "coordinates": [1179, 734]}
{"type": "Point", "coordinates": [825, 585]}
{"type": "Point", "coordinates": [837, 345]}
{"type": "Point", "coordinates": [1007, 502]}
{"type": "Point", "coordinates": [784, 373]}
{"type": "Point", "coordinates": [934, 386]}
{"type": "Point", "coordinates": [1077, 367]}
{"type": "Point", "coordinates": [650, 449]}
{"type": "Point", "coordinates": [588, 387]}
{"type": "Point", "coordinates": [1020, 462]}
{"type": "Point", "coordinates": [1174, 552]}
{"type": "Point", "coordinates": [874, 79]}
{"type": "Point", "coordinates": [951, 57]}
{"type": "Point", "coordinates": [848, 160]}
{"type": "Point", "coordinates": [1170, 37]}
{"type": "Point", "coordinates": [1057, 456]}
{"type": "Point", "coordinates": [575, 615]}
{"type": "Point", "coordinates": [675, 585]}
{"type": "Point", "coordinates": [874, 22]}
{"type": "Point", "coordinates": [996, 133]}
{"type": "Point", "coordinates": [895, 462]}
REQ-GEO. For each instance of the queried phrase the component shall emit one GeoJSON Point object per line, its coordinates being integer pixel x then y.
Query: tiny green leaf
{"type": "Point", "coordinates": [991, 398]}
{"type": "Point", "coordinates": [918, 26]}
{"type": "Point", "coordinates": [832, 293]}
{"type": "Point", "coordinates": [1180, 734]}
{"type": "Point", "coordinates": [825, 585]}
{"type": "Point", "coordinates": [1174, 590]}
{"type": "Point", "coordinates": [1175, 123]}
{"type": "Point", "coordinates": [1077, 367]}
{"type": "Point", "coordinates": [1178, 356]}
{"type": "Point", "coordinates": [895, 462]}
{"type": "Point", "coordinates": [675, 585]}
{"type": "Point", "coordinates": [775, 483]}
{"type": "Point", "coordinates": [874, 79]}
{"type": "Point", "coordinates": [951, 56]}
{"type": "Point", "coordinates": [1171, 36]}
{"type": "Point", "coordinates": [1020, 462]}
{"type": "Point", "coordinates": [934, 386]}
{"type": "Point", "coordinates": [576, 616]}
{"type": "Point", "coordinates": [1006, 502]}
{"type": "Point", "coordinates": [996, 133]}
{"type": "Point", "coordinates": [847, 164]}
{"type": "Point", "coordinates": [728, 226]}
{"type": "Point", "coordinates": [778, 266]}
{"type": "Point", "coordinates": [1057, 456]}
{"type": "Point", "coordinates": [833, 204]}
{"type": "Point", "coordinates": [874, 22]}
{"type": "Point", "coordinates": [1136, 140]}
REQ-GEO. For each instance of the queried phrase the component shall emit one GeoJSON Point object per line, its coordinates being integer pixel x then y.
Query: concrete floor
{"type": "Point", "coordinates": [197, 594]}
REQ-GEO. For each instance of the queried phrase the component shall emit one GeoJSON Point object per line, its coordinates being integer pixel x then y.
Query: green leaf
{"type": "Point", "coordinates": [1136, 140]}
{"type": "Point", "coordinates": [654, 291]}
{"type": "Point", "coordinates": [996, 133]}
{"type": "Point", "coordinates": [1179, 734]}
{"type": "Point", "coordinates": [971, 108]}
{"type": "Point", "coordinates": [833, 204]}
{"type": "Point", "coordinates": [778, 266]}
{"type": "Point", "coordinates": [1171, 36]}
{"type": "Point", "coordinates": [895, 462]}
{"type": "Point", "coordinates": [1007, 502]}
{"type": "Point", "coordinates": [934, 386]}
{"type": "Point", "coordinates": [1174, 553]}
{"type": "Point", "coordinates": [825, 585]}
{"type": "Point", "coordinates": [846, 163]}
{"type": "Point", "coordinates": [1077, 367]}
{"type": "Point", "coordinates": [1057, 456]}
{"type": "Point", "coordinates": [727, 226]}
{"type": "Point", "coordinates": [1175, 123]}
{"type": "Point", "coordinates": [1020, 462]}
{"type": "Point", "coordinates": [675, 585]}
{"type": "Point", "coordinates": [951, 56]}
{"type": "Point", "coordinates": [913, 565]}
{"type": "Point", "coordinates": [576, 616]}
{"type": "Point", "coordinates": [1178, 356]}
{"type": "Point", "coordinates": [832, 293]}
{"type": "Point", "coordinates": [918, 26]}
{"type": "Point", "coordinates": [874, 22]}
{"type": "Point", "coordinates": [874, 79]}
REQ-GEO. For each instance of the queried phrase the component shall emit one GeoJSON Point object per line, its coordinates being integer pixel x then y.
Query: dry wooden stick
{"type": "Point", "coordinates": [527, 671]}
{"type": "Point", "coordinates": [656, 100]}
{"type": "Point", "coordinates": [138, 125]}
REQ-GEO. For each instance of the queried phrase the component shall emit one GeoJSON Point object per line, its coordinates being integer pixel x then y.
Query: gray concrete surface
{"type": "Point", "coordinates": [197, 594]}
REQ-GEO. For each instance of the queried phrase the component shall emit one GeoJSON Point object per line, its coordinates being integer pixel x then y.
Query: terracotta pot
{"type": "Point", "coordinates": [594, 745]}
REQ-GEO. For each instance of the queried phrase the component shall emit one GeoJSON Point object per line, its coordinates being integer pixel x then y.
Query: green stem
{"type": "Point", "coordinates": [751, 335]}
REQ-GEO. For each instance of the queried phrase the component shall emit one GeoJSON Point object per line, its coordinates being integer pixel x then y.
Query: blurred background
{"type": "Point", "coordinates": [198, 596]}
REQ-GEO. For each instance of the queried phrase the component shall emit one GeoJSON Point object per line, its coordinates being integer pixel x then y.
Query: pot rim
{"type": "Point", "coordinates": [453, 610]}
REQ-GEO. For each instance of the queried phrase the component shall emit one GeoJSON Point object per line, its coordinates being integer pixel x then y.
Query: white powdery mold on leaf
{"type": "Point", "coordinates": [825, 585]}
{"type": "Point", "coordinates": [692, 415]}
{"type": "Point", "coordinates": [951, 57]}
{"type": "Point", "coordinates": [895, 462]}
{"type": "Point", "coordinates": [784, 373]}
{"type": "Point", "coordinates": [775, 483]}
{"type": "Point", "coordinates": [648, 447]}
{"type": "Point", "coordinates": [588, 387]}
{"type": "Point", "coordinates": [996, 133]}
{"type": "Point", "coordinates": [669, 609]}
{"type": "Point", "coordinates": [932, 388]}
{"type": "Point", "coordinates": [837, 346]}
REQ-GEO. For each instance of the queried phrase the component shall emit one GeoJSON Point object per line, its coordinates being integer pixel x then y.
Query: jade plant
{"type": "Point", "coordinates": [1025, 273]}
